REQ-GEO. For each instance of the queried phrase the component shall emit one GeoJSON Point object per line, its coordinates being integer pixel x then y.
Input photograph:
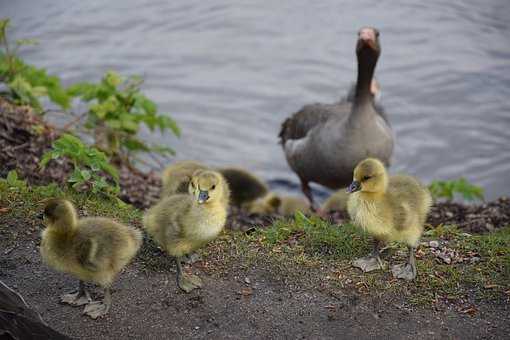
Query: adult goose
{"type": "Point", "coordinates": [324, 142]}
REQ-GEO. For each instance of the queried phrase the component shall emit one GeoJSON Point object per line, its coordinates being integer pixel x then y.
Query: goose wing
{"type": "Point", "coordinates": [300, 123]}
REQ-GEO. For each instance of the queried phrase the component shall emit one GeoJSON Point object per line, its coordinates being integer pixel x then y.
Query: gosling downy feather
{"type": "Point", "coordinates": [92, 249]}
{"type": "Point", "coordinates": [274, 204]}
{"type": "Point", "coordinates": [176, 177]}
{"type": "Point", "coordinates": [389, 208]}
{"type": "Point", "coordinates": [182, 223]}
{"type": "Point", "coordinates": [338, 136]}
{"type": "Point", "coordinates": [336, 202]}
{"type": "Point", "coordinates": [244, 186]}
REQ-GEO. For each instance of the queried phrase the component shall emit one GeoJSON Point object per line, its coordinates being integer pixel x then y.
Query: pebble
{"type": "Point", "coordinates": [247, 280]}
{"type": "Point", "coordinates": [434, 244]}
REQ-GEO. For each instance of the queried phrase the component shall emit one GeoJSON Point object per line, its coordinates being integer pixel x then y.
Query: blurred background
{"type": "Point", "coordinates": [230, 72]}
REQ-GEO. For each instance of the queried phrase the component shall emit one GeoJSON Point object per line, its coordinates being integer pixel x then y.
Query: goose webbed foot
{"type": "Point", "coordinates": [78, 298]}
{"type": "Point", "coordinates": [98, 309]}
{"type": "Point", "coordinates": [189, 282]}
{"type": "Point", "coordinates": [406, 271]}
{"type": "Point", "coordinates": [369, 263]}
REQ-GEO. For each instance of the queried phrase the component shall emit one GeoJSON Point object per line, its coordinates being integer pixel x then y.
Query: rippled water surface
{"type": "Point", "coordinates": [230, 71]}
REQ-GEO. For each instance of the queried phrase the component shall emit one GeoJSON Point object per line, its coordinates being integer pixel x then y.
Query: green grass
{"type": "Point", "coordinates": [317, 237]}
{"type": "Point", "coordinates": [28, 201]}
{"type": "Point", "coordinates": [316, 243]}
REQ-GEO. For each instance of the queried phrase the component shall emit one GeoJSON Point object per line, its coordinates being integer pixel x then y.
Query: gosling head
{"type": "Point", "coordinates": [207, 186]}
{"type": "Point", "coordinates": [59, 213]}
{"type": "Point", "coordinates": [368, 43]}
{"type": "Point", "coordinates": [369, 176]}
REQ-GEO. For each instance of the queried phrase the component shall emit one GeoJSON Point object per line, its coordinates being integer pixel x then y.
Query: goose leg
{"type": "Point", "coordinates": [97, 309]}
{"type": "Point", "coordinates": [371, 262]}
{"type": "Point", "coordinates": [78, 298]}
{"type": "Point", "coordinates": [307, 191]}
{"type": "Point", "coordinates": [408, 270]}
{"type": "Point", "coordinates": [187, 282]}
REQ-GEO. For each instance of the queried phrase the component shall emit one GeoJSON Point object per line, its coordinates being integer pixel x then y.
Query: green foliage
{"type": "Point", "coordinates": [91, 166]}
{"type": "Point", "coordinates": [14, 183]}
{"type": "Point", "coordinates": [26, 83]}
{"type": "Point", "coordinates": [116, 111]}
{"type": "Point", "coordinates": [448, 190]}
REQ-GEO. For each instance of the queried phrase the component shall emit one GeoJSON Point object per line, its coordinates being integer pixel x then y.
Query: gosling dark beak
{"type": "Point", "coordinates": [355, 186]}
{"type": "Point", "coordinates": [203, 196]}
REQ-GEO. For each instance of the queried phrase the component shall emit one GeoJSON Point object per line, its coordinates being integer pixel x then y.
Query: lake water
{"type": "Point", "coordinates": [229, 72]}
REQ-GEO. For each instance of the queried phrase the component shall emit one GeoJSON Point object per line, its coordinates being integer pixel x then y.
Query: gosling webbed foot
{"type": "Point", "coordinates": [369, 263]}
{"type": "Point", "coordinates": [188, 282]}
{"type": "Point", "coordinates": [96, 309]}
{"type": "Point", "coordinates": [404, 271]}
{"type": "Point", "coordinates": [78, 298]}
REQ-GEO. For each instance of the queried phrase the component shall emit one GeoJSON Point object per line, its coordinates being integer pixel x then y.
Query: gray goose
{"type": "Point", "coordinates": [324, 142]}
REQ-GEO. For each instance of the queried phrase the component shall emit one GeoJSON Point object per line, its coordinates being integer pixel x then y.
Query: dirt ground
{"type": "Point", "coordinates": [237, 302]}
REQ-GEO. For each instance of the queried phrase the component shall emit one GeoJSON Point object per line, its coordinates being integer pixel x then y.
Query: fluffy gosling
{"type": "Point", "coordinates": [274, 204]}
{"type": "Point", "coordinates": [92, 249]}
{"type": "Point", "coordinates": [182, 223]}
{"type": "Point", "coordinates": [390, 209]}
{"type": "Point", "coordinates": [336, 202]}
{"type": "Point", "coordinates": [176, 177]}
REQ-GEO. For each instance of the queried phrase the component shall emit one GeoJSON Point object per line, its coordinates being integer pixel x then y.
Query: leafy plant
{"type": "Point", "coordinates": [449, 189]}
{"type": "Point", "coordinates": [116, 111]}
{"type": "Point", "coordinates": [25, 83]}
{"type": "Point", "coordinates": [14, 183]}
{"type": "Point", "coordinates": [91, 166]}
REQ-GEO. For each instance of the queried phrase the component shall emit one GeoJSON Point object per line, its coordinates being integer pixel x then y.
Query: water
{"type": "Point", "coordinates": [230, 71]}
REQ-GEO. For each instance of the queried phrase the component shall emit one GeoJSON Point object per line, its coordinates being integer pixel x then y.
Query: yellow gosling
{"type": "Point", "coordinates": [92, 249]}
{"type": "Point", "coordinates": [176, 177]}
{"type": "Point", "coordinates": [182, 223]}
{"type": "Point", "coordinates": [390, 209]}
{"type": "Point", "coordinates": [336, 202]}
{"type": "Point", "coordinates": [274, 204]}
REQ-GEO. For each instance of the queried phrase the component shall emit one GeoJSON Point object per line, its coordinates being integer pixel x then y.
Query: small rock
{"type": "Point", "coordinates": [433, 244]}
{"type": "Point", "coordinates": [247, 280]}
{"type": "Point", "coordinates": [474, 259]}
{"type": "Point", "coordinates": [446, 259]}
{"type": "Point", "coordinates": [449, 214]}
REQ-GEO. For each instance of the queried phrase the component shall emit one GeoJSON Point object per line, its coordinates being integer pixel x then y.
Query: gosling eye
{"type": "Point", "coordinates": [214, 186]}
{"type": "Point", "coordinates": [193, 185]}
{"type": "Point", "coordinates": [366, 178]}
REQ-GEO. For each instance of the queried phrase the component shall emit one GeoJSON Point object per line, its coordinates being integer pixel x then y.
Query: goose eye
{"type": "Point", "coordinates": [365, 178]}
{"type": "Point", "coordinates": [214, 186]}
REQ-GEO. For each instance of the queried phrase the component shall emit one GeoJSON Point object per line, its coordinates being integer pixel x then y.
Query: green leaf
{"type": "Point", "coordinates": [112, 78]}
{"type": "Point", "coordinates": [12, 177]}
